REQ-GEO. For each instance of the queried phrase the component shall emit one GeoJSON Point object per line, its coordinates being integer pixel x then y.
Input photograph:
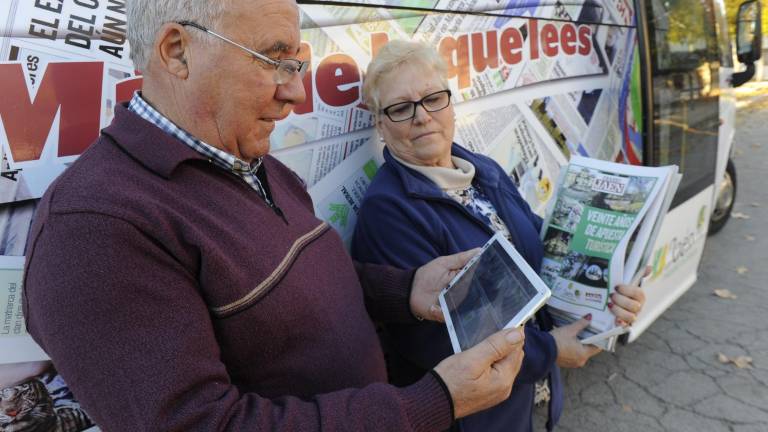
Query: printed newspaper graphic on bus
{"type": "Point", "coordinates": [559, 72]}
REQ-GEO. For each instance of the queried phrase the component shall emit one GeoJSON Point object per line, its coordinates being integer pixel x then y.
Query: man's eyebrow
{"type": "Point", "coordinates": [279, 47]}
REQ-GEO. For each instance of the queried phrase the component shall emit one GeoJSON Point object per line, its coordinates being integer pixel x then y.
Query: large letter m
{"type": "Point", "coordinates": [72, 89]}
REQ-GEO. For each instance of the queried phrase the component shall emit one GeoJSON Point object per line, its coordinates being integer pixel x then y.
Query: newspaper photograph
{"type": "Point", "coordinates": [36, 398]}
{"type": "Point", "coordinates": [15, 222]}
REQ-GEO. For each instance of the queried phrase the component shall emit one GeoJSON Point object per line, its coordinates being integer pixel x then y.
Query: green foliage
{"type": "Point", "coordinates": [687, 25]}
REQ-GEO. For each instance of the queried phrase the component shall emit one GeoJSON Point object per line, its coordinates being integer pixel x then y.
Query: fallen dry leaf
{"type": "Point", "coordinates": [725, 294]}
{"type": "Point", "coordinates": [755, 204]}
{"type": "Point", "coordinates": [739, 152]}
{"type": "Point", "coordinates": [741, 270]}
{"type": "Point", "coordinates": [742, 362]}
{"type": "Point", "coordinates": [740, 215]}
{"type": "Point", "coordinates": [626, 408]}
{"type": "Point", "coordinates": [756, 146]}
{"type": "Point", "coordinates": [748, 237]}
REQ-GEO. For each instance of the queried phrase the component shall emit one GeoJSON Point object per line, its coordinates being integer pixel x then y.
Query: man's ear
{"type": "Point", "coordinates": [172, 50]}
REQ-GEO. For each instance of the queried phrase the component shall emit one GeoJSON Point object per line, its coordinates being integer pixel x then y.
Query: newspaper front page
{"type": "Point", "coordinates": [596, 233]}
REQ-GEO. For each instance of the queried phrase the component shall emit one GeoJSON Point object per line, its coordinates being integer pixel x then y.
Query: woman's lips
{"type": "Point", "coordinates": [423, 135]}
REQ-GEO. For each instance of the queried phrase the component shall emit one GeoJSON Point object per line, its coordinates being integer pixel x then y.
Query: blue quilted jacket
{"type": "Point", "coordinates": [405, 220]}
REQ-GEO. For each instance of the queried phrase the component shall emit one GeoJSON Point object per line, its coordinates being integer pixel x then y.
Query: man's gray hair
{"type": "Point", "coordinates": [392, 55]}
{"type": "Point", "coordinates": [145, 17]}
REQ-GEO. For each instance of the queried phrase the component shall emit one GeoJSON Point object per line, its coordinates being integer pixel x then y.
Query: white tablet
{"type": "Point", "coordinates": [497, 289]}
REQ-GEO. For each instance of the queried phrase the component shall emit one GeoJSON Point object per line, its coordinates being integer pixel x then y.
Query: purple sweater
{"type": "Point", "coordinates": [171, 297]}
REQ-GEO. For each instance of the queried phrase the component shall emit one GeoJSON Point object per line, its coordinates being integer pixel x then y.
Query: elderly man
{"type": "Point", "coordinates": [177, 276]}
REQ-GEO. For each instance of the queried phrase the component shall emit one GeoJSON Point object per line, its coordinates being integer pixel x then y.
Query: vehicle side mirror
{"type": "Point", "coordinates": [749, 40]}
{"type": "Point", "coordinates": [748, 32]}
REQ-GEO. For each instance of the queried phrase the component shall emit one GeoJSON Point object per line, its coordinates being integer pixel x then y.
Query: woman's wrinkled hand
{"type": "Point", "coordinates": [571, 353]}
{"type": "Point", "coordinates": [627, 302]}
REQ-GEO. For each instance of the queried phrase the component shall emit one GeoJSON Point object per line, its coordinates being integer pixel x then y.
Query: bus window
{"type": "Point", "coordinates": [685, 62]}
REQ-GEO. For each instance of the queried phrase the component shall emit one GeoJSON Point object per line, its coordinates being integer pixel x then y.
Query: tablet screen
{"type": "Point", "coordinates": [487, 296]}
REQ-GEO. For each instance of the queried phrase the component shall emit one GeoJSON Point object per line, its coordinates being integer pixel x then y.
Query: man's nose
{"type": "Point", "coordinates": [293, 91]}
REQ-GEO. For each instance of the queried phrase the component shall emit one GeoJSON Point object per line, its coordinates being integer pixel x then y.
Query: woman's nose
{"type": "Point", "coordinates": [421, 115]}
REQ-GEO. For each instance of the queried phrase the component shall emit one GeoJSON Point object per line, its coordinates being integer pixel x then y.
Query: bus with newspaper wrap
{"type": "Point", "coordinates": [534, 82]}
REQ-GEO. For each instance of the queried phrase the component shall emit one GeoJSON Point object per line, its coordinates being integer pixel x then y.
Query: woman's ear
{"type": "Point", "coordinates": [377, 123]}
{"type": "Point", "coordinates": [377, 132]}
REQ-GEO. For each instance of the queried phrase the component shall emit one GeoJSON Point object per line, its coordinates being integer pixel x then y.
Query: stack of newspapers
{"type": "Point", "coordinates": [599, 232]}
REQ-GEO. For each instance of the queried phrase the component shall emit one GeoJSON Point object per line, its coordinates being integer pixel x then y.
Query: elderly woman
{"type": "Point", "coordinates": [431, 198]}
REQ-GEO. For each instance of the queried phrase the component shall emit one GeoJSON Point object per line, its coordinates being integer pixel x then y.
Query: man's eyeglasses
{"type": "Point", "coordinates": [432, 102]}
{"type": "Point", "coordinates": [285, 69]}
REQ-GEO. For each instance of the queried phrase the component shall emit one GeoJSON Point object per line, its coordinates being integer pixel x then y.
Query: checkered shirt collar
{"type": "Point", "coordinates": [246, 171]}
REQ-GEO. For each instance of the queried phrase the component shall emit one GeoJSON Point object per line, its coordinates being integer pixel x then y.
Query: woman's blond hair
{"type": "Point", "coordinates": [390, 57]}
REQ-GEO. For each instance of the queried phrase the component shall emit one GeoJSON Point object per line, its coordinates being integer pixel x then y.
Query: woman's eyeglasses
{"type": "Point", "coordinates": [432, 102]}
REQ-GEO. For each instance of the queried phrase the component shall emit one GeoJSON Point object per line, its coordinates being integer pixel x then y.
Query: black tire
{"type": "Point", "coordinates": [726, 196]}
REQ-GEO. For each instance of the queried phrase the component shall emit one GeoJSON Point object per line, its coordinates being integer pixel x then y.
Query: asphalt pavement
{"type": "Point", "coordinates": [703, 366]}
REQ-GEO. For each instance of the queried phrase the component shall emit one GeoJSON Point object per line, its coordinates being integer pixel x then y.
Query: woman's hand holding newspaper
{"type": "Point", "coordinates": [628, 300]}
